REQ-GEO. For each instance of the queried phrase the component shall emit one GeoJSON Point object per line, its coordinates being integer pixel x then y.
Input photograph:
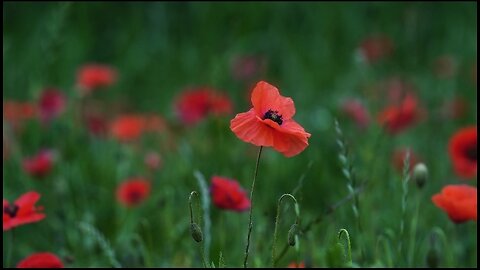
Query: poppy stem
{"type": "Point", "coordinates": [349, 247]}
{"type": "Point", "coordinates": [250, 224]}
{"type": "Point", "coordinates": [297, 219]}
{"type": "Point", "coordinates": [9, 256]}
{"type": "Point", "coordinates": [195, 230]}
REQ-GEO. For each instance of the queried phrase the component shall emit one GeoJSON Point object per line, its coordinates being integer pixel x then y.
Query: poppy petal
{"type": "Point", "coordinates": [267, 97]}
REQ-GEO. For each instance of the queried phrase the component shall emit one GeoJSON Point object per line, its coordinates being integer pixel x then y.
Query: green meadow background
{"type": "Point", "coordinates": [310, 50]}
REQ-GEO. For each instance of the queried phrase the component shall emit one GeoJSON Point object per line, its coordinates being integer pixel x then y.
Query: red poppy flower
{"type": "Point", "coordinates": [97, 124]}
{"type": "Point", "coordinates": [375, 48]}
{"type": "Point", "coordinates": [16, 112]}
{"type": "Point", "coordinates": [463, 152]}
{"type": "Point", "coordinates": [247, 67]}
{"type": "Point", "coordinates": [128, 127]}
{"type": "Point", "coordinates": [399, 157]}
{"type": "Point", "coordinates": [41, 260]}
{"type": "Point", "coordinates": [23, 211]}
{"type": "Point", "coordinates": [458, 201]}
{"type": "Point", "coordinates": [133, 191]}
{"type": "Point", "coordinates": [227, 194]}
{"type": "Point", "coordinates": [296, 265]}
{"type": "Point", "coordinates": [397, 118]}
{"type": "Point", "coordinates": [153, 161]}
{"type": "Point", "coordinates": [39, 165]}
{"type": "Point", "coordinates": [194, 105]}
{"type": "Point", "coordinates": [270, 123]}
{"type": "Point", "coordinates": [94, 76]}
{"type": "Point", "coordinates": [355, 110]}
{"type": "Point", "coordinates": [51, 104]}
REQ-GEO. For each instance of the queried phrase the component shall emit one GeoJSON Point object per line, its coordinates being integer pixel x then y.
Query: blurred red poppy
{"type": "Point", "coordinates": [463, 152]}
{"type": "Point", "coordinates": [41, 260]}
{"type": "Point", "coordinates": [16, 112]}
{"type": "Point", "coordinates": [458, 201]}
{"type": "Point", "coordinates": [93, 76]}
{"type": "Point", "coordinates": [153, 160]}
{"type": "Point", "coordinates": [376, 47]}
{"type": "Point", "coordinates": [97, 124]}
{"type": "Point", "coordinates": [269, 122]}
{"type": "Point", "coordinates": [39, 165]}
{"type": "Point", "coordinates": [194, 105]}
{"type": "Point", "coordinates": [247, 67]}
{"type": "Point", "coordinates": [51, 104]}
{"type": "Point", "coordinates": [227, 194]}
{"type": "Point", "coordinates": [133, 192]}
{"type": "Point", "coordinates": [296, 265]}
{"type": "Point", "coordinates": [399, 156]}
{"type": "Point", "coordinates": [397, 118]}
{"type": "Point", "coordinates": [128, 127]}
{"type": "Point", "coordinates": [355, 110]}
{"type": "Point", "coordinates": [23, 211]}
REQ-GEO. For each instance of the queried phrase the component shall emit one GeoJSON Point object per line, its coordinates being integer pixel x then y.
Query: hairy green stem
{"type": "Point", "coordinates": [250, 225]}
{"type": "Point", "coordinates": [278, 218]}
{"type": "Point", "coordinates": [349, 247]}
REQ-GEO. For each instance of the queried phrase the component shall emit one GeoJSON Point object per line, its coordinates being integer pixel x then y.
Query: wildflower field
{"type": "Point", "coordinates": [201, 134]}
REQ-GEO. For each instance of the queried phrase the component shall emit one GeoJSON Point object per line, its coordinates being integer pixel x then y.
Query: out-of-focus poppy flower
{"type": "Point", "coordinates": [227, 194]}
{"type": "Point", "coordinates": [194, 105]}
{"type": "Point", "coordinates": [96, 124]}
{"type": "Point", "coordinates": [397, 118]}
{"type": "Point", "coordinates": [128, 127]}
{"type": "Point", "coordinates": [399, 156]}
{"type": "Point", "coordinates": [155, 123]}
{"type": "Point", "coordinates": [247, 67]}
{"type": "Point", "coordinates": [374, 48]}
{"type": "Point", "coordinates": [270, 123]}
{"type": "Point", "coordinates": [355, 110]}
{"type": "Point", "coordinates": [41, 260]}
{"type": "Point", "coordinates": [153, 161]}
{"type": "Point", "coordinates": [17, 112]}
{"type": "Point", "coordinates": [458, 201]}
{"type": "Point", "coordinates": [51, 104]}
{"type": "Point", "coordinates": [445, 66]}
{"type": "Point", "coordinates": [94, 76]}
{"type": "Point", "coordinates": [296, 265]}
{"type": "Point", "coordinates": [39, 165]}
{"type": "Point", "coordinates": [21, 212]}
{"type": "Point", "coordinates": [454, 109]}
{"type": "Point", "coordinates": [463, 152]}
{"type": "Point", "coordinates": [133, 192]}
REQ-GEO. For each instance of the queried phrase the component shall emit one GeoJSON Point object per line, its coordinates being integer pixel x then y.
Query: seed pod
{"type": "Point", "coordinates": [196, 232]}
{"type": "Point", "coordinates": [292, 233]}
{"type": "Point", "coordinates": [420, 174]}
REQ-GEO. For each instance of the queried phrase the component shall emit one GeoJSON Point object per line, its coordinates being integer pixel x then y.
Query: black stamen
{"type": "Point", "coordinates": [11, 210]}
{"type": "Point", "coordinates": [274, 116]}
{"type": "Point", "coordinates": [472, 153]}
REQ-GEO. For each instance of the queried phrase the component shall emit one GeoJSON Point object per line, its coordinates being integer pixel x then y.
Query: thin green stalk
{"type": "Point", "coordinates": [297, 219]}
{"type": "Point", "coordinates": [250, 225]}
{"type": "Point", "coordinates": [195, 230]}
{"type": "Point", "coordinates": [349, 247]}
{"type": "Point", "coordinates": [405, 180]}
{"type": "Point", "coordinates": [10, 248]}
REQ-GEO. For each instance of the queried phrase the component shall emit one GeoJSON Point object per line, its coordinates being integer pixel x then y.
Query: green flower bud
{"type": "Point", "coordinates": [196, 232]}
{"type": "Point", "coordinates": [420, 174]}
{"type": "Point", "coordinates": [292, 233]}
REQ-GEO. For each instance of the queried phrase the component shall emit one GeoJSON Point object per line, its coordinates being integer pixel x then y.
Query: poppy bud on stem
{"type": "Point", "coordinates": [294, 229]}
{"type": "Point", "coordinates": [420, 174]}
{"type": "Point", "coordinates": [195, 230]}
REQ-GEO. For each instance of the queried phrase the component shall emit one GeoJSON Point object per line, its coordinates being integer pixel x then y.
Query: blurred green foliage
{"type": "Point", "coordinates": [161, 48]}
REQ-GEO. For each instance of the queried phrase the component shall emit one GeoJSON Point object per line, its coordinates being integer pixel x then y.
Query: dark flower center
{"type": "Point", "coordinates": [472, 153]}
{"type": "Point", "coordinates": [274, 116]}
{"type": "Point", "coordinates": [11, 210]}
{"type": "Point", "coordinates": [135, 197]}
